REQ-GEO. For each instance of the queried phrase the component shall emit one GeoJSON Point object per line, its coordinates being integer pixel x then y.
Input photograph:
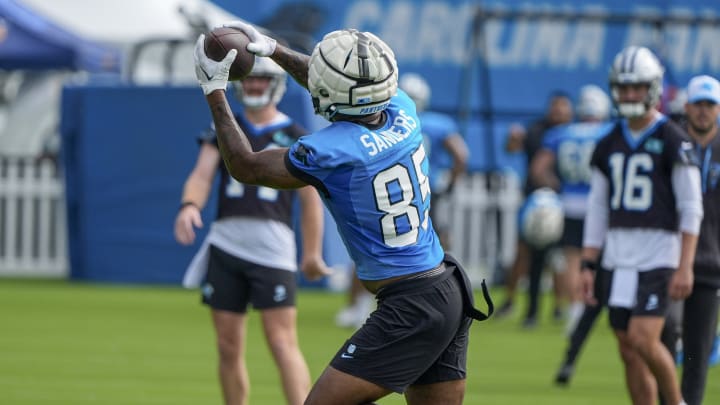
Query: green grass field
{"type": "Point", "coordinates": [72, 343]}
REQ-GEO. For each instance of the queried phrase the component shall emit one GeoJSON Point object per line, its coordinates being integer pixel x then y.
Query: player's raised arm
{"type": "Point", "coordinates": [266, 167]}
{"type": "Point", "coordinates": [295, 63]}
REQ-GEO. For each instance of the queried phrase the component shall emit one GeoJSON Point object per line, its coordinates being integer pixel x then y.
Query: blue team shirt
{"type": "Point", "coordinates": [573, 145]}
{"type": "Point", "coordinates": [375, 184]}
{"type": "Point", "coordinates": [436, 128]}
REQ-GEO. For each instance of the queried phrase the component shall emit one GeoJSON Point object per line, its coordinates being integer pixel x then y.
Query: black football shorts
{"type": "Point", "coordinates": [572, 232]}
{"type": "Point", "coordinates": [231, 283]}
{"type": "Point", "coordinates": [652, 298]}
{"type": "Point", "coordinates": [418, 335]}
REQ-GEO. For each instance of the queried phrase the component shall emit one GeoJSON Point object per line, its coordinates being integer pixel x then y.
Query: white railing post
{"type": "Point", "coordinates": [483, 220]}
{"type": "Point", "coordinates": [32, 228]}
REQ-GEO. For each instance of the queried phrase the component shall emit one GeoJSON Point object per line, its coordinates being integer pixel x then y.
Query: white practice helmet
{"type": "Point", "coordinates": [636, 65]}
{"type": "Point", "coordinates": [351, 73]}
{"type": "Point", "coordinates": [417, 88]}
{"type": "Point", "coordinates": [593, 103]}
{"type": "Point", "coordinates": [677, 103]}
{"type": "Point", "coordinates": [264, 67]}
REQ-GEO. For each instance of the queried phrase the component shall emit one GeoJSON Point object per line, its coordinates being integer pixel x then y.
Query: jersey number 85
{"type": "Point", "coordinates": [405, 206]}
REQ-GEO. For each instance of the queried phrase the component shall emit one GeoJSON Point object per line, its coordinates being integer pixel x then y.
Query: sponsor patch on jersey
{"type": "Point", "coordinates": [654, 146]}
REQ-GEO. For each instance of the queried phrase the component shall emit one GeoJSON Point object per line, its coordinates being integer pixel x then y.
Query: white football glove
{"type": "Point", "coordinates": [261, 45]}
{"type": "Point", "coordinates": [210, 74]}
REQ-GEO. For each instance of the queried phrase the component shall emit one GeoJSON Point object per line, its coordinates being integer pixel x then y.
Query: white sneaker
{"type": "Point", "coordinates": [354, 316]}
{"type": "Point", "coordinates": [346, 317]}
{"type": "Point", "coordinates": [364, 306]}
{"type": "Point", "coordinates": [574, 314]}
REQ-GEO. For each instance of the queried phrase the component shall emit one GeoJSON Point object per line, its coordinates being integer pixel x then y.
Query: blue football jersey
{"type": "Point", "coordinates": [573, 145]}
{"type": "Point", "coordinates": [375, 184]}
{"type": "Point", "coordinates": [436, 128]}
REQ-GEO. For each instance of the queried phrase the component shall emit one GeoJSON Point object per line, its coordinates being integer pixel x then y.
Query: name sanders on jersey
{"type": "Point", "coordinates": [375, 142]}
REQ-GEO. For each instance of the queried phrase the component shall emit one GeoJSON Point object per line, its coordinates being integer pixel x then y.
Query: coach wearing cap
{"type": "Point", "coordinates": [700, 312]}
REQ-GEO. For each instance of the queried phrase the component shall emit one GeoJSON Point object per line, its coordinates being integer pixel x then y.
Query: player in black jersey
{"type": "Point", "coordinates": [700, 310]}
{"type": "Point", "coordinates": [249, 255]}
{"type": "Point", "coordinates": [644, 211]}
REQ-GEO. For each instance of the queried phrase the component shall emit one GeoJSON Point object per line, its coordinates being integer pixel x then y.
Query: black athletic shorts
{"type": "Point", "coordinates": [572, 232]}
{"type": "Point", "coordinates": [418, 335]}
{"type": "Point", "coordinates": [652, 298]}
{"type": "Point", "coordinates": [231, 283]}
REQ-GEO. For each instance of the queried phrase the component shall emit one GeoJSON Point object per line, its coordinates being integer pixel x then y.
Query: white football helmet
{"type": "Point", "coordinates": [593, 103]}
{"type": "Point", "coordinates": [264, 67]}
{"type": "Point", "coordinates": [676, 106]}
{"type": "Point", "coordinates": [636, 65]}
{"type": "Point", "coordinates": [351, 73]}
{"type": "Point", "coordinates": [417, 88]}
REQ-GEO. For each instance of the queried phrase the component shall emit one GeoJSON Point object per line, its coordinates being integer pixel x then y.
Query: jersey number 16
{"type": "Point", "coordinates": [632, 190]}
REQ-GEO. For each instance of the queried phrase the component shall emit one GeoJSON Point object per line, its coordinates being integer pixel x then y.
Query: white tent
{"type": "Point", "coordinates": [158, 29]}
{"type": "Point", "coordinates": [156, 39]}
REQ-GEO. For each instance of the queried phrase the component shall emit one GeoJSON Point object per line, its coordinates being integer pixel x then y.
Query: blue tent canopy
{"type": "Point", "coordinates": [30, 41]}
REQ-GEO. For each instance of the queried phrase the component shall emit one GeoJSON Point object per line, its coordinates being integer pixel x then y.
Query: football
{"type": "Point", "coordinates": [220, 41]}
{"type": "Point", "coordinates": [542, 218]}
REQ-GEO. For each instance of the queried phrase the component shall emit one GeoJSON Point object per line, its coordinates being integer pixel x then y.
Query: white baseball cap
{"type": "Point", "coordinates": [703, 88]}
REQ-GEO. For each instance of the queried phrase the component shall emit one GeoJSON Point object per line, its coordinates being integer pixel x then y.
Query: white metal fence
{"type": "Point", "coordinates": [483, 218]}
{"type": "Point", "coordinates": [33, 232]}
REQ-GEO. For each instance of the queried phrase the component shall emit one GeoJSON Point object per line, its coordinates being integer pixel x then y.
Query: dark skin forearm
{"type": "Point", "coordinates": [266, 168]}
{"type": "Point", "coordinates": [295, 63]}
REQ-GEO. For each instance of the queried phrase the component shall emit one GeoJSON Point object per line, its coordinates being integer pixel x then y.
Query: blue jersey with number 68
{"type": "Point", "coordinates": [573, 145]}
{"type": "Point", "coordinates": [375, 184]}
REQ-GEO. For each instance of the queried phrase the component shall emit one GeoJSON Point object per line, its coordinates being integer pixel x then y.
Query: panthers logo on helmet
{"type": "Point", "coordinates": [542, 218]}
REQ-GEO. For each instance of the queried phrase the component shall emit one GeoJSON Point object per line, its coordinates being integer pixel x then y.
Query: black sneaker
{"type": "Point", "coordinates": [529, 323]}
{"type": "Point", "coordinates": [563, 375]}
{"type": "Point", "coordinates": [505, 310]}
